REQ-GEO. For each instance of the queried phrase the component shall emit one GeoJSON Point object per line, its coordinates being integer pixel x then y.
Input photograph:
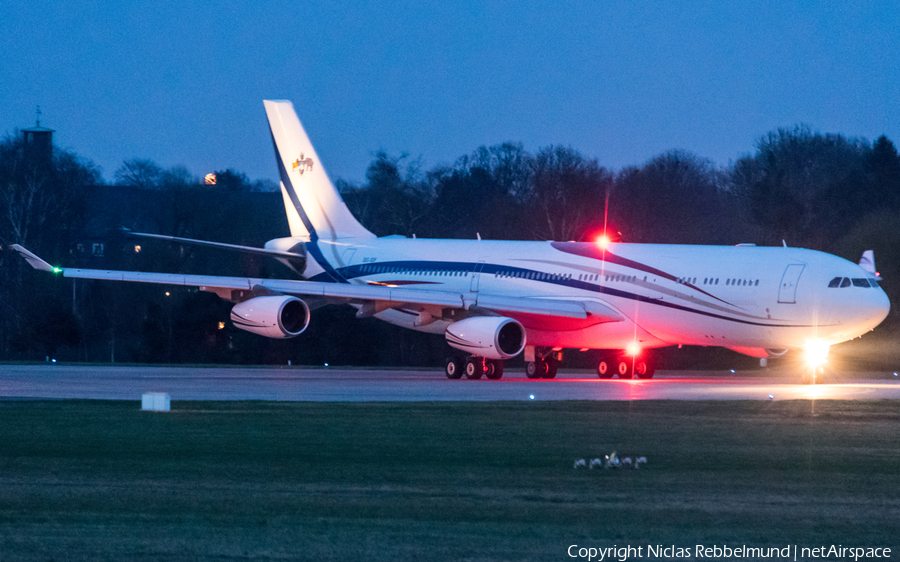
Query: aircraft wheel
{"type": "Point", "coordinates": [454, 369]}
{"type": "Point", "coordinates": [535, 369]}
{"type": "Point", "coordinates": [605, 369]}
{"type": "Point", "coordinates": [552, 366]}
{"type": "Point", "coordinates": [644, 368]}
{"type": "Point", "coordinates": [623, 367]}
{"type": "Point", "coordinates": [494, 369]}
{"type": "Point", "coordinates": [474, 368]}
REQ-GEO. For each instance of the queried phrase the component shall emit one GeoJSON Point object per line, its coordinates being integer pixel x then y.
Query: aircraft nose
{"type": "Point", "coordinates": [876, 307]}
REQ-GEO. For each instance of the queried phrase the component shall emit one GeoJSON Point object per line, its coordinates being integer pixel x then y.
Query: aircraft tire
{"type": "Point", "coordinates": [644, 368]}
{"type": "Point", "coordinates": [623, 367]}
{"type": "Point", "coordinates": [454, 368]}
{"type": "Point", "coordinates": [474, 368]}
{"type": "Point", "coordinates": [535, 369]}
{"type": "Point", "coordinates": [494, 369]}
{"type": "Point", "coordinates": [552, 367]}
{"type": "Point", "coordinates": [605, 369]}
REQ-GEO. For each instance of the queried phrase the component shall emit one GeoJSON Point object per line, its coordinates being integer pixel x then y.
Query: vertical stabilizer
{"type": "Point", "coordinates": [867, 262]}
{"type": "Point", "coordinates": [314, 207]}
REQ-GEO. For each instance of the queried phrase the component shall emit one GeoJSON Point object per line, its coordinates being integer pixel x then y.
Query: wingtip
{"type": "Point", "coordinates": [35, 261]}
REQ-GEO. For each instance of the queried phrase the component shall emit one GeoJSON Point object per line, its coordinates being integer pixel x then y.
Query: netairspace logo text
{"type": "Point", "coordinates": [792, 552]}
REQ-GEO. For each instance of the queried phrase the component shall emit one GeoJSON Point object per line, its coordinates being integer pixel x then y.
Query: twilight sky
{"type": "Point", "coordinates": [183, 82]}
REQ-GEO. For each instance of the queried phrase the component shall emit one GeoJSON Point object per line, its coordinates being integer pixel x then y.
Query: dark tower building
{"type": "Point", "coordinates": [38, 140]}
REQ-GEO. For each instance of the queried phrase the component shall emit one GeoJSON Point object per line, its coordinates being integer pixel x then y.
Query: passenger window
{"type": "Point", "coordinates": [861, 283]}
{"type": "Point", "coordinates": [845, 282]}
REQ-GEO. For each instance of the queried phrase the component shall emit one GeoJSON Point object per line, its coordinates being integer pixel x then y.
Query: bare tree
{"type": "Point", "coordinates": [568, 193]}
{"type": "Point", "coordinates": [139, 172]}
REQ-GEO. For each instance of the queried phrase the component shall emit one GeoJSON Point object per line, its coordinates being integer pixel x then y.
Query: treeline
{"type": "Point", "coordinates": [799, 187]}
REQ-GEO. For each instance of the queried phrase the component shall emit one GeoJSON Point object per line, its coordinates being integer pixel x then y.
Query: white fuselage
{"type": "Point", "coordinates": [746, 298]}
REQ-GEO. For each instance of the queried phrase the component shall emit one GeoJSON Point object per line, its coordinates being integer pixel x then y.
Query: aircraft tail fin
{"type": "Point", "coordinates": [314, 207]}
{"type": "Point", "coordinates": [867, 262]}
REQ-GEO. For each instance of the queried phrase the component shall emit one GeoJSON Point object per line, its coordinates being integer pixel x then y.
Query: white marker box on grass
{"type": "Point", "coordinates": [155, 401]}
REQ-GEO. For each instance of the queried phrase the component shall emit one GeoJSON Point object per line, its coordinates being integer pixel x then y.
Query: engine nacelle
{"type": "Point", "coordinates": [491, 337]}
{"type": "Point", "coordinates": [277, 316]}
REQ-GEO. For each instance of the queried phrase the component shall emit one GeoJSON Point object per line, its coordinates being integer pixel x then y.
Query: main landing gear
{"type": "Point", "coordinates": [541, 368]}
{"type": "Point", "coordinates": [626, 367]}
{"type": "Point", "coordinates": [474, 368]}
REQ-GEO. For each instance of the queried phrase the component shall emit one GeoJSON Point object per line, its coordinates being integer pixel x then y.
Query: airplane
{"type": "Point", "coordinates": [494, 300]}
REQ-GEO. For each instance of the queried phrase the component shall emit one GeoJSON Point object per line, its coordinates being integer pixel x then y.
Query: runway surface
{"type": "Point", "coordinates": [360, 385]}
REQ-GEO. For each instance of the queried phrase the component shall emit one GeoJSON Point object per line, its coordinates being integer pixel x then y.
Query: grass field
{"type": "Point", "coordinates": [96, 480]}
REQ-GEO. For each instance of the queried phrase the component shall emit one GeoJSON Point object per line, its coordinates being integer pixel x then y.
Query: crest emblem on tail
{"type": "Point", "coordinates": [302, 164]}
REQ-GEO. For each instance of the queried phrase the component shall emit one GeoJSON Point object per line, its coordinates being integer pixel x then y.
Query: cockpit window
{"type": "Point", "coordinates": [856, 282]}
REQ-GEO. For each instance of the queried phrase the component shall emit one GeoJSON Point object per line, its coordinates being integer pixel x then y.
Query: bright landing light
{"type": "Point", "coordinates": [634, 349]}
{"type": "Point", "coordinates": [816, 353]}
{"type": "Point", "coordinates": [603, 241]}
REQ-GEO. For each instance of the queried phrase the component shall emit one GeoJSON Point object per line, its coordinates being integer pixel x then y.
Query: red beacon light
{"type": "Point", "coordinates": [603, 241]}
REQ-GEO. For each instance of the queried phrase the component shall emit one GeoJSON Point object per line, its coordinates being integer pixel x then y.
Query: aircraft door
{"type": "Point", "coordinates": [476, 275]}
{"type": "Point", "coordinates": [787, 293]}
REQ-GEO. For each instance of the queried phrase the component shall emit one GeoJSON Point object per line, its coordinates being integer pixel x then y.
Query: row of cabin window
{"type": "Point", "coordinates": [533, 275]}
{"type": "Point", "coordinates": [585, 277]}
{"type": "Point", "coordinates": [715, 281]}
{"type": "Point", "coordinates": [841, 282]}
{"type": "Point", "coordinates": [731, 282]}
{"type": "Point", "coordinates": [560, 276]}
{"type": "Point", "coordinates": [386, 269]}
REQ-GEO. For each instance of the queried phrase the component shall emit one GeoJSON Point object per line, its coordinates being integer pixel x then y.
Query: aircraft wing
{"type": "Point", "coordinates": [383, 297]}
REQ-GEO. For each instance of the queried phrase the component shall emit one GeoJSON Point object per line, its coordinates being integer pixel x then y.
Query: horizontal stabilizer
{"type": "Point", "coordinates": [299, 255]}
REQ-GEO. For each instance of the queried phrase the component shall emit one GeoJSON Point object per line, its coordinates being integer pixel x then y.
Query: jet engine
{"type": "Point", "coordinates": [276, 316]}
{"type": "Point", "coordinates": [487, 336]}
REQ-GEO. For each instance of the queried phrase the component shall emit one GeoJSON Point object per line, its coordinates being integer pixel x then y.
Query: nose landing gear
{"type": "Point", "coordinates": [813, 375]}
